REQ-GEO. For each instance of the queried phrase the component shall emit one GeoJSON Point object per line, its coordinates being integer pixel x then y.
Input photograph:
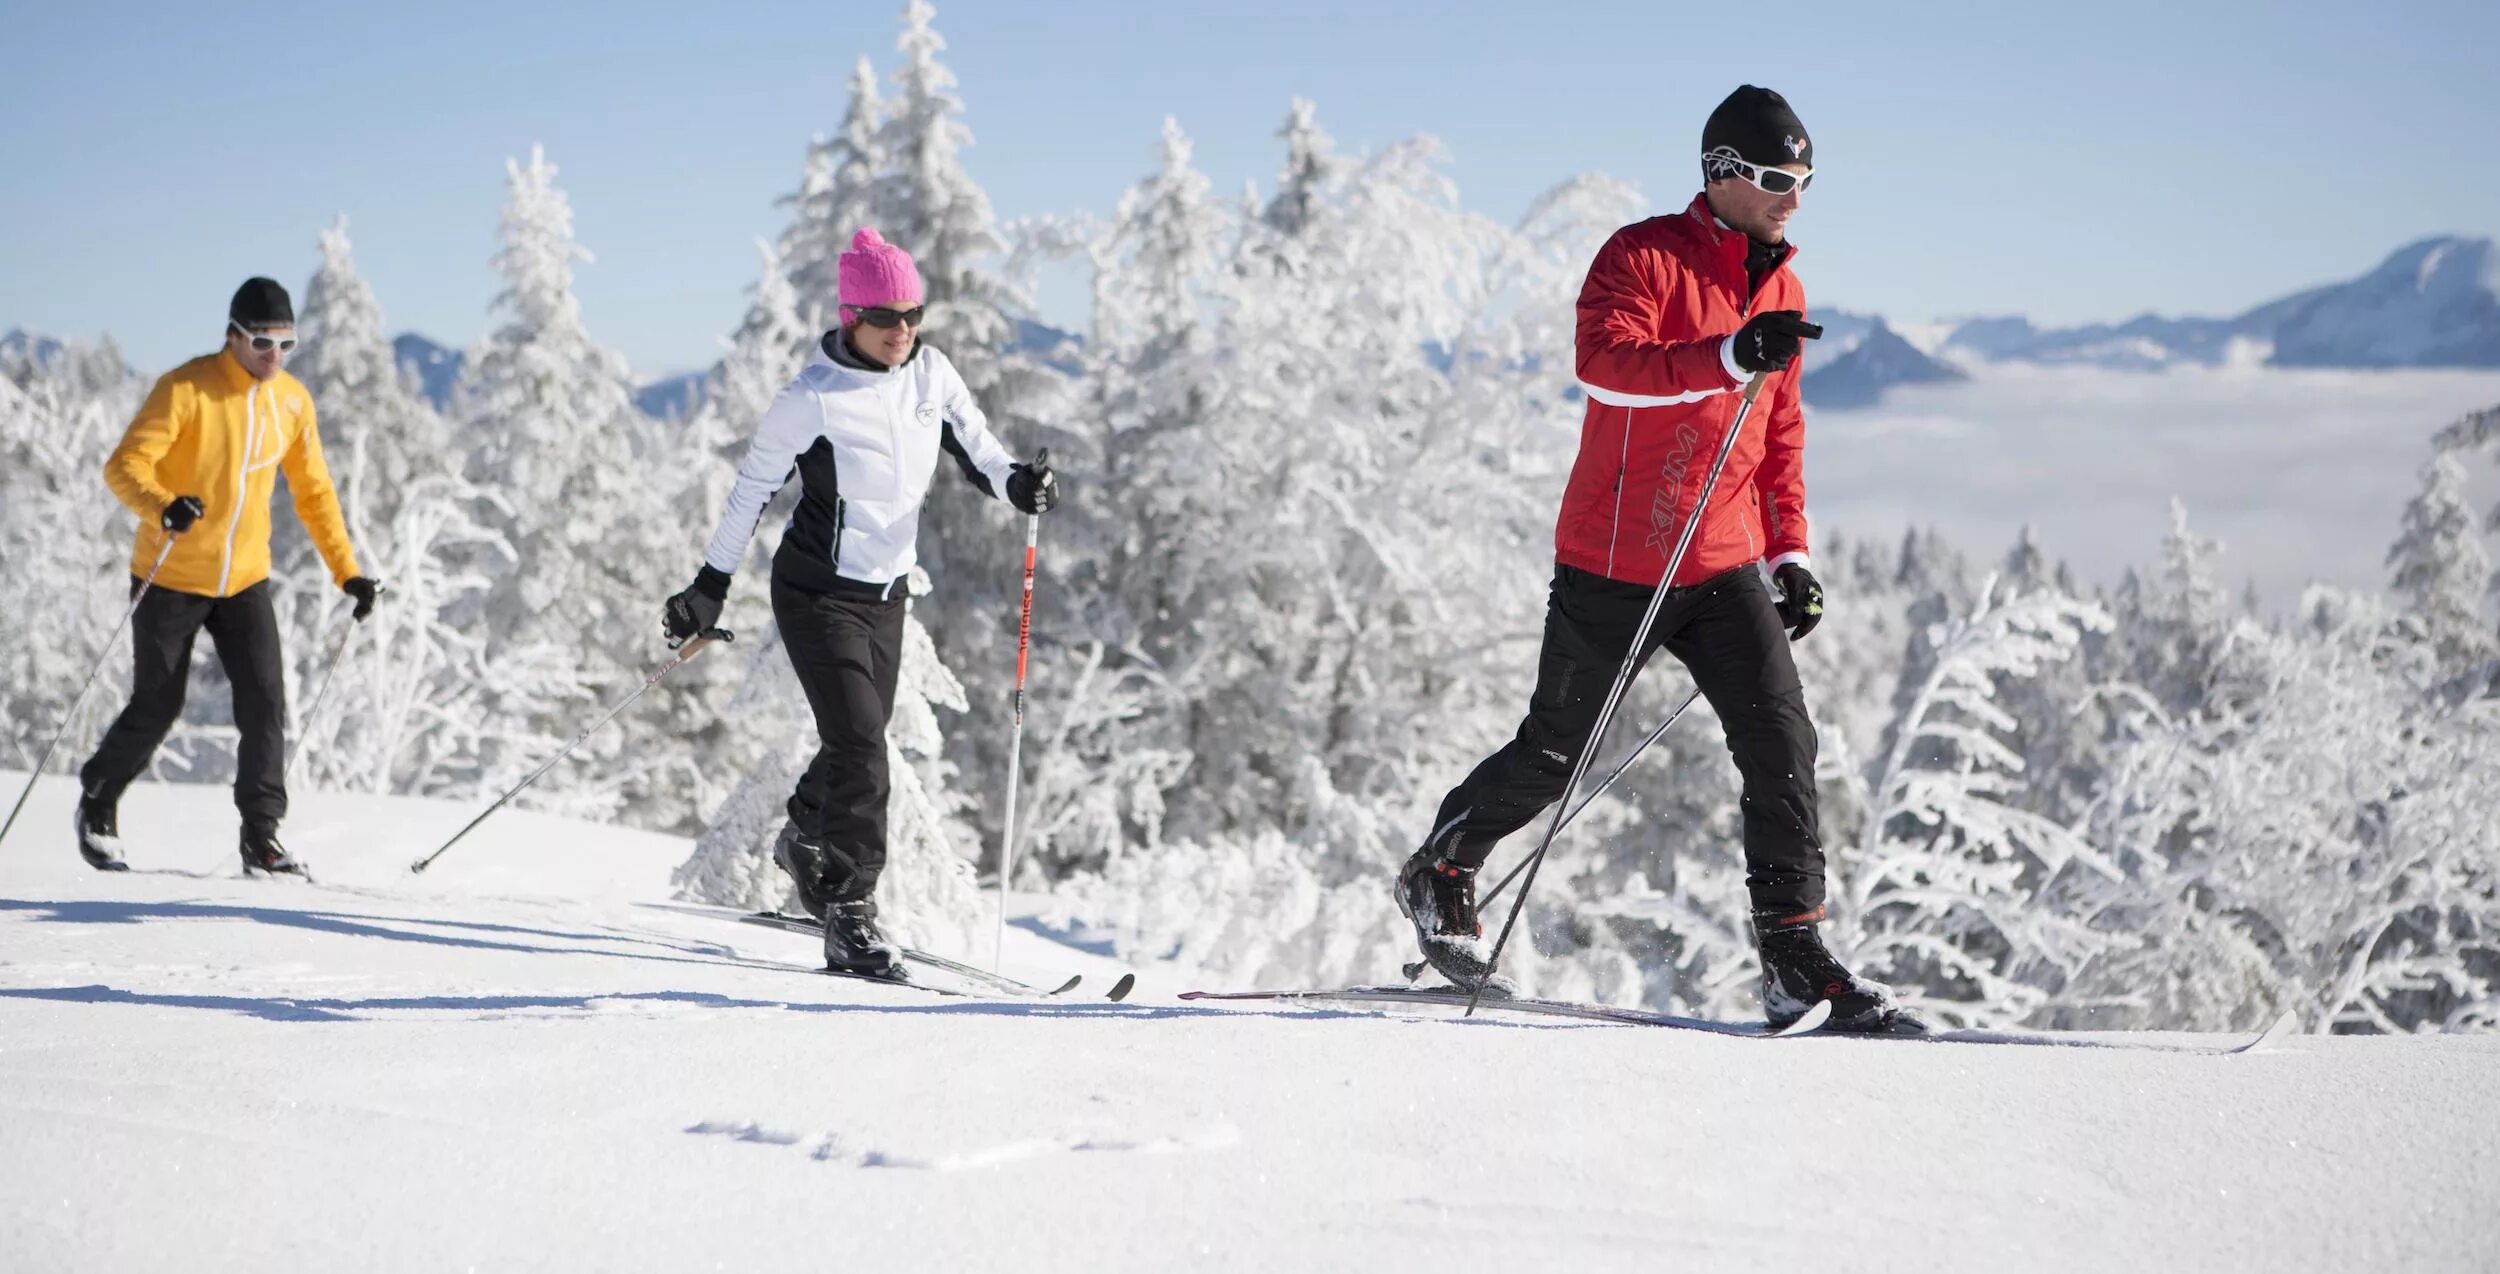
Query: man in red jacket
{"type": "Point", "coordinates": [1678, 313]}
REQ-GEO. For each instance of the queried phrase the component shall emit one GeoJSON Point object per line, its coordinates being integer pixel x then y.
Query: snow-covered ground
{"type": "Point", "coordinates": [528, 1059]}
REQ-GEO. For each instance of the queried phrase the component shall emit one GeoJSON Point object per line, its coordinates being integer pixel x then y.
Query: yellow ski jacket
{"type": "Point", "coordinates": [210, 430]}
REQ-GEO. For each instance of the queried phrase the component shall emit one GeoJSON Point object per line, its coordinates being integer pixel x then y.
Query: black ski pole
{"type": "Point", "coordinates": [92, 674]}
{"type": "Point", "coordinates": [1600, 790]}
{"type": "Point", "coordinates": [295, 745]}
{"type": "Point", "coordinates": [1623, 680]}
{"type": "Point", "coordinates": [688, 651]}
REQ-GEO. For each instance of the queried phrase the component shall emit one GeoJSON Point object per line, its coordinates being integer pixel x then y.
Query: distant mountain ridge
{"type": "Point", "coordinates": [2432, 303]}
{"type": "Point", "coordinates": [1875, 361]}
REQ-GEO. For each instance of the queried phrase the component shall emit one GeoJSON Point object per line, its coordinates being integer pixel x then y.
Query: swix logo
{"type": "Point", "coordinates": [1663, 523]}
{"type": "Point", "coordinates": [1796, 147]}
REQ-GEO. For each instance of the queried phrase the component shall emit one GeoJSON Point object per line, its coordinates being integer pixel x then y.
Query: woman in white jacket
{"type": "Point", "coordinates": [861, 426]}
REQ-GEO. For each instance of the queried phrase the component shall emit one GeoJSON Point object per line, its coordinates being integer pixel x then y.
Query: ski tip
{"type": "Point", "coordinates": [1069, 985]}
{"type": "Point", "coordinates": [1414, 970]}
{"type": "Point", "coordinates": [2287, 1024]}
{"type": "Point", "coordinates": [1120, 989]}
{"type": "Point", "coordinates": [1810, 1020]}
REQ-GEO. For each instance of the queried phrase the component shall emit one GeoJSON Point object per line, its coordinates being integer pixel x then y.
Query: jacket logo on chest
{"type": "Point", "coordinates": [927, 414]}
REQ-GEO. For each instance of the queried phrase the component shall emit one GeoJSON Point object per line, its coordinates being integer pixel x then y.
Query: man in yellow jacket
{"type": "Point", "coordinates": [199, 465]}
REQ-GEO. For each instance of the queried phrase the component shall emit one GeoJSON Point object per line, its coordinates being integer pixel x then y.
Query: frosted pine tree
{"type": "Point", "coordinates": [774, 339]}
{"type": "Point", "coordinates": [836, 196]}
{"type": "Point", "coordinates": [593, 502]}
{"type": "Point", "coordinates": [928, 205]}
{"type": "Point", "coordinates": [1940, 890]}
{"type": "Point", "coordinates": [64, 538]}
{"type": "Point", "coordinates": [356, 387]}
{"type": "Point", "coordinates": [1310, 166]}
{"type": "Point", "coordinates": [2309, 847]}
{"type": "Point", "coordinates": [2440, 570]}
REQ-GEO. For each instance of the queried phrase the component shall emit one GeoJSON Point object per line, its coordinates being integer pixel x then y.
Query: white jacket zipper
{"type": "Point", "coordinates": [242, 478]}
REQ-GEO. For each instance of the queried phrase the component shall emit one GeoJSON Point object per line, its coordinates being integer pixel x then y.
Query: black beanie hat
{"type": "Point", "coordinates": [261, 303]}
{"type": "Point", "coordinates": [1755, 125]}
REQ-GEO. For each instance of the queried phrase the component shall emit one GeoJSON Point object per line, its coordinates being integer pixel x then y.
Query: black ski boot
{"type": "Point", "coordinates": [99, 837]}
{"type": "Point", "coordinates": [1440, 898]}
{"type": "Point", "coordinates": [1797, 970]}
{"type": "Point", "coordinates": [262, 854]}
{"type": "Point", "coordinates": [804, 861]}
{"type": "Point", "coordinates": [854, 945]}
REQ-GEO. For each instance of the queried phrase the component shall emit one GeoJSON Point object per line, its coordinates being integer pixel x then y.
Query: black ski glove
{"type": "Point", "coordinates": [1033, 488]}
{"type": "Point", "coordinates": [365, 591]}
{"type": "Point", "coordinates": [1801, 600]}
{"type": "Point", "coordinates": [1770, 341]}
{"type": "Point", "coordinates": [179, 515]}
{"type": "Point", "coordinates": [697, 610]}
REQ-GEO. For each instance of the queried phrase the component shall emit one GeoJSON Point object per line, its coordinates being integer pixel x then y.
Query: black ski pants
{"type": "Point", "coordinates": [848, 649]}
{"type": "Point", "coordinates": [1727, 631]}
{"type": "Point", "coordinates": [244, 630]}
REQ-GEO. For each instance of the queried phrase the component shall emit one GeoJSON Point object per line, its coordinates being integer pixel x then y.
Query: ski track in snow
{"type": "Point", "coordinates": [834, 1149]}
{"type": "Point", "coordinates": [529, 1059]}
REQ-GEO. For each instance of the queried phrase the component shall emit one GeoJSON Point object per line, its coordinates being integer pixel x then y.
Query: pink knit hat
{"type": "Point", "coordinates": [874, 273]}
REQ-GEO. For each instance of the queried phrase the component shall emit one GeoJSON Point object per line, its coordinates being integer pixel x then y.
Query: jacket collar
{"type": "Point", "coordinates": [837, 350]}
{"type": "Point", "coordinates": [1723, 238]}
{"type": "Point", "coordinates": [236, 376]}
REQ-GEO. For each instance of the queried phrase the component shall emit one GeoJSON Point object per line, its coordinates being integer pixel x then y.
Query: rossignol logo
{"type": "Point", "coordinates": [928, 413]}
{"type": "Point", "coordinates": [1662, 505]}
{"type": "Point", "coordinates": [1796, 147]}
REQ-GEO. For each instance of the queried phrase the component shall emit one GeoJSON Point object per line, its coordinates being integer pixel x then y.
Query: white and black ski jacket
{"type": "Point", "coordinates": [864, 442]}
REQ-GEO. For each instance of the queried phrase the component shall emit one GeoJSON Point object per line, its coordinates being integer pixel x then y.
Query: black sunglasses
{"type": "Point", "coordinates": [882, 317]}
{"type": "Point", "coordinates": [263, 343]}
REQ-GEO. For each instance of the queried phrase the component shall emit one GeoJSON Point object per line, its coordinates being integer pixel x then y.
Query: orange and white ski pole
{"type": "Point", "coordinates": [1015, 745]}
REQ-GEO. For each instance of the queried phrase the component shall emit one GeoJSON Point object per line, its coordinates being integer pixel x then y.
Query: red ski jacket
{"type": "Point", "coordinates": [1661, 301]}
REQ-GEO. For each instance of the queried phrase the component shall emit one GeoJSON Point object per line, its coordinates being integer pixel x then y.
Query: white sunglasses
{"type": "Point", "coordinates": [1722, 161]}
{"type": "Point", "coordinates": [260, 342]}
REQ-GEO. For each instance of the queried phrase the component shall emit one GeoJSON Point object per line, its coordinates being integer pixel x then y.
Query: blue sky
{"type": "Point", "coordinates": [2071, 162]}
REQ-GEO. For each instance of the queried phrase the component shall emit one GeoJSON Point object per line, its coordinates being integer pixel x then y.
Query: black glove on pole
{"type": "Point", "coordinates": [366, 591]}
{"type": "Point", "coordinates": [1033, 488]}
{"type": "Point", "coordinates": [1770, 341]}
{"type": "Point", "coordinates": [179, 515]}
{"type": "Point", "coordinates": [697, 609]}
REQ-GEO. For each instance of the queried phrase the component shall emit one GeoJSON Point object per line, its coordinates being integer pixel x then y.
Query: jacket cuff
{"type": "Point", "coordinates": [712, 583]}
{"type": "Point", "coordinates": [1727, 359]}
{"type": "Point", "coordinates": [1799, 557]}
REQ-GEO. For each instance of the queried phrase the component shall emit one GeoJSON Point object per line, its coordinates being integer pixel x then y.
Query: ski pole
{"type": "Point", "coordinates": [1015, 741]}
{"type": "Point", "coordinates": [1623, 680]}
{"type": "Point", "coordinates": [1595, 792]}
{"type": "Point", "coordinates": [83, 691]}
{"type": "Point", "coordinates": [684, 653]}
{"type": "Point", "coordinates": [295, 746]}
{"type": "Point", "coordinates": [1599, 790]}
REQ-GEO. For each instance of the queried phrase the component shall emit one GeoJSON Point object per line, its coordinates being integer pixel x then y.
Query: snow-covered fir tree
{"type": "Point", "coordinates": [837, 195]}
{"type": "Point", "coordinates": [593, 500]}
{"type": "Point", "coordinates": [2440, 570]}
